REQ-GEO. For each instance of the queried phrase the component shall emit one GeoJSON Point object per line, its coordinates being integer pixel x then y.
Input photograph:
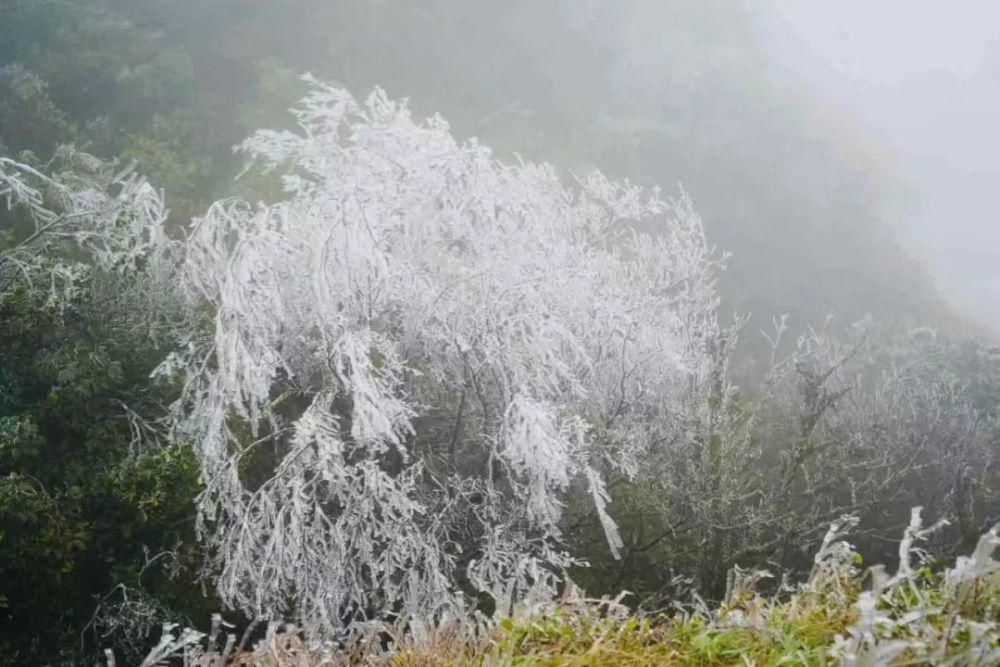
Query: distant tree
{"type": "Point", "coordinates": [28, 118]}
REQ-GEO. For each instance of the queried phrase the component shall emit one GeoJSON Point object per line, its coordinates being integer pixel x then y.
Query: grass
{"type": "Point", "coordinates": [842, 615]}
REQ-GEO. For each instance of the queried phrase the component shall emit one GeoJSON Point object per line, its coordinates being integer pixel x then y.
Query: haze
{"type": "Point", "coordinates": [924, 80]}
{"type": "Point", "coordinates": [499, 331]}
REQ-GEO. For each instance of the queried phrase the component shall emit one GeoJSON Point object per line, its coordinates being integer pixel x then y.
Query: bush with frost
{"type": "Point", "coordinates": [62, 221]}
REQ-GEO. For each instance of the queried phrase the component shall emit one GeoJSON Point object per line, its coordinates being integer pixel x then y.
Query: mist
{"type": "Point", "coordinates": [499, 332]}
{"type": "Point", "coordinates": [922, 83]}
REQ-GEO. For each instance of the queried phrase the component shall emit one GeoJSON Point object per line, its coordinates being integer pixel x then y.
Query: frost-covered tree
{"type": "Point", "coordinates": [87, 310]}
{"type": "Point", "coordinates": [416, 354]}
{"type": "Point", "coordinates": [75, 215]}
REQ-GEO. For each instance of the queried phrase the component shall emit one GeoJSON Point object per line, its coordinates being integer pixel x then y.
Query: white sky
{"type": "Point", "coordinates": [923, 78]}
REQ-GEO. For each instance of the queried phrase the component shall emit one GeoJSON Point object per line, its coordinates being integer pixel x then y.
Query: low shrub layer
{"type": "Point", "coordinates": [843, 614]}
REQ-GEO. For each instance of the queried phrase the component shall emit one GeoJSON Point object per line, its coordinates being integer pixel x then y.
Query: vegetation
{"type": "Point", "coordinates": [401, 387]}
{"type": "Point", "coordinates": [917, 616]}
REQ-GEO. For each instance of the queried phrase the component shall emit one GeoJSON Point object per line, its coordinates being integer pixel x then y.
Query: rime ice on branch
{"type": "Point", "coordinates": [82, 215]}
{"type": "Point", "coordinates": [417, 353]}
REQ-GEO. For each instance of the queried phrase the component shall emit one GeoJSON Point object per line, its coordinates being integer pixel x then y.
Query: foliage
{"type": "Point", "coordinates": [80, 508]}
{"type": "Point", "coordinates": [917, 616]}
{"type": "Point", "coordinates": [31, 121]}
{"type": "Point", "coordinates": [86, 498]}
{"type": "Point", "coordinates": [862, 423]}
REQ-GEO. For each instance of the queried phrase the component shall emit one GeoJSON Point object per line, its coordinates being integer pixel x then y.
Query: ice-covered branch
{"type": "Point", "coordinates": [404, 274]}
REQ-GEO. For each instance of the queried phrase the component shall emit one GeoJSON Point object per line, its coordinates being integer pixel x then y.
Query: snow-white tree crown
{"type": "Point", "coordinates": [416, 354]}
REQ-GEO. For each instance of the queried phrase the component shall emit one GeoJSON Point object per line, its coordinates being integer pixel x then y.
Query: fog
{"type": "Point", "coordinates": [923, 80]}
{"type": "Point", "coordinates": [842, 154]}
{"type": "Point", "coordinates": [465, 331]}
